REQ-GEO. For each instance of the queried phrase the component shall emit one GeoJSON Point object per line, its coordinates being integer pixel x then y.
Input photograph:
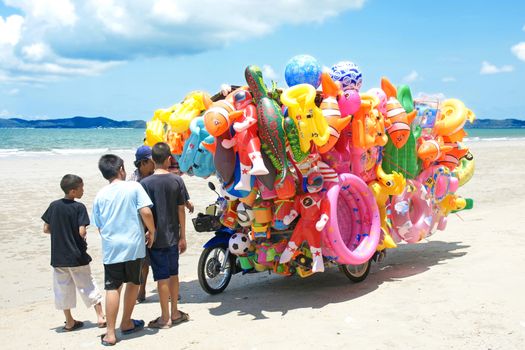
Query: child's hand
{"type": "Point", "coordinates": [182, 245]}
{"type": "Point", "coordinates": [150, 238]}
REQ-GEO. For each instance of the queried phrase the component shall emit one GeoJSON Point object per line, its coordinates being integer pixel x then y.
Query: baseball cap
{"type": "Point", "coordinates": [143, 152]}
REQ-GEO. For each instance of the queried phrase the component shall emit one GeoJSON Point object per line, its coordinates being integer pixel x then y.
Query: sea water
{"type": "Point", "coordinates": [68, 141]}
{"type": "Point", "coordinates": [23, 142]}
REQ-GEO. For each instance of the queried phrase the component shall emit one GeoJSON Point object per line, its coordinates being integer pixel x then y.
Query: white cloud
{"type": "Point", "coordinates": [10, 30]}
{"type": "Point", "coordinates": [56, 38]}
{"type": "Point", "coordinates": [448, 79]}
{"type": "Point", "coordinates": [4, 113]}
{"type": "Point", "coordinates": [489, 68]}
{"type": "Point", "coordinates": [519, 50]}
{"type": "Point", "coordinates": [13, 92]}
{"type": "Point", "coordinates": [411, 77]}
{"type": "Point", "coordinates": [269, 73]}
{"type": "Point", "coordinates": [523, 28]}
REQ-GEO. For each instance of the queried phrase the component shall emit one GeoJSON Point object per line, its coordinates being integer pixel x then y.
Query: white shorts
{"type": "Point", "coordinates": [66, 279]}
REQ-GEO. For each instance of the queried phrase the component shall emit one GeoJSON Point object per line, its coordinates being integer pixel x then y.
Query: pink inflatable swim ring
{"type": "Point", "coordinates": [438, 181]}
{"type": "Point", "coordinates": [354, 228]}
{"type": "Point", "coordinates": [411, 213]}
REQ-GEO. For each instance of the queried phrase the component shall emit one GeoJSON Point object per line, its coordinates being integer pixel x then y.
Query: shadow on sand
{"type": "Point", "coordinates": [254, 293]}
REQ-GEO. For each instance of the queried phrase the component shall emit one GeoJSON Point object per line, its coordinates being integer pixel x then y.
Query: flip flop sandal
{"type": "Point", "coordinates": [105, 342]}
{"type": "Point", "coordinates": [157, 324]}
{"type": "Point", "coordinates": [77, 325]}
{"type": "Point", "coordinates": [138, 325]}
{"type": "Point", "coordinates": [184, 317]}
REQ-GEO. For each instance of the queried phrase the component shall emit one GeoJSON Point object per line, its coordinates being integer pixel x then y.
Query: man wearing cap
{"type": "Point", "coordinates": [144, 164]}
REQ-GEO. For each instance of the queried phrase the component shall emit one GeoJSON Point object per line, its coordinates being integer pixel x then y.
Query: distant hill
{"type": "Point", "coordinates": [72, 123]}
{"type": "Point", "coordinates": [496, 124]}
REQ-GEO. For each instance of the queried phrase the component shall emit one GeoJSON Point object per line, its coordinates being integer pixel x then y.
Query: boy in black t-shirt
{"type": "Point", "coordinates": [166, 191]}
{"type": "Point", "coordinates": [66, 220]}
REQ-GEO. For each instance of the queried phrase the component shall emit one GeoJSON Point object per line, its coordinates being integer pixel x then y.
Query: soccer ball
{"type": "Point", "coordinates": [239, 244]}
{"type": "Point", "coordinates": [348, 74]}
{"type": "Point", "coordinates": [245, 215]}
{"type": "Point", "coordinates": [303, 69]}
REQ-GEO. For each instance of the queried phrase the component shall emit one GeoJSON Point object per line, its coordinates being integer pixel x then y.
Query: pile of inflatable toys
{"type": "Point", "coordinates": [321, 171]}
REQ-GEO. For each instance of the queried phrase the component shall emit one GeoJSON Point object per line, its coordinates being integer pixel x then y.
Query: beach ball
{"type": "Point", "coordinates": [239, 244]}
{"type": "Point", "coordinates": [348, 74]}
{"type": "Point", "coordinates": [303, 69]}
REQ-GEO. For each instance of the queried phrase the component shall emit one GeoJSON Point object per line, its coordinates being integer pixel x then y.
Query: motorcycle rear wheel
{"type": "Point", "coordinates": [211, 278]}
{"type": "Point", "coordinates": [356, 273]}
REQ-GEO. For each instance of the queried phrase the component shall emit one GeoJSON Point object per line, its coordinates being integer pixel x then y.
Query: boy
{"type": "Point", "coordinates": [166, 192]}
{"type": "Point", "coordinates": [66, 220]}
{"type": "Point", "coordinates": [117, 211]}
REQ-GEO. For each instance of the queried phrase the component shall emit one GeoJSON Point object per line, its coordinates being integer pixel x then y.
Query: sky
{"type": "Point", "coordinates": [125, 59]}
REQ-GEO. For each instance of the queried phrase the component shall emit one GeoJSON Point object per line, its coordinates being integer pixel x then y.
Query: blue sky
{"type": "Point", "coordinates": [124, 59]}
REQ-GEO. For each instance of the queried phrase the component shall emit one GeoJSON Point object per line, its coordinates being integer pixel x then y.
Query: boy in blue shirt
{"type": "Point", "coordinates": [119, 211]}
{"type": "Point", "coordinates": [66, 220]}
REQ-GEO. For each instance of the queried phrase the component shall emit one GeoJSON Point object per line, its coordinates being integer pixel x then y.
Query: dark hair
{"type": "Point", "coordinates": [138, 163]}
{"type": "Point", "coordinates": [160, 152]}
{"type": "Point", "coordinates": [70, 182]}
{"type": "Point", "coordinates": [109, 165]}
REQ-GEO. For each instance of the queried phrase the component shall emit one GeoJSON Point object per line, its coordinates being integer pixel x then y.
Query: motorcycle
{"type": "Point", "coordinates": [217, 264]}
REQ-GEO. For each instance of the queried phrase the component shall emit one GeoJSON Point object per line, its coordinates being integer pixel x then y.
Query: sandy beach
{"type": "Point", "coordinates": [461, 289]}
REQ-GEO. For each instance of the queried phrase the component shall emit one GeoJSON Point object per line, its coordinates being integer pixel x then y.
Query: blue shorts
{"type": "Point", "coordinates": [164, 262]}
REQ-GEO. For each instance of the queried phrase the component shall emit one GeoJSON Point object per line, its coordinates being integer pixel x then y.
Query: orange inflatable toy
{"type": "Point", "coordinates": [397, 120]}
{"type": "Point", "coordinates": [368, 126]}
{"type": "Point", "coordinates": [331, 112]}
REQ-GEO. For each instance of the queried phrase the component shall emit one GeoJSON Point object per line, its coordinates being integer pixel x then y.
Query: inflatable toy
{"type": "Point", "coordinates": [397, 121]}
{"type": "Point", "coordinates": [368, 127]}
{"type": "Point", "coordinates": [292, 140]}
{"type": "Point", "coordinates": [411, 213]}
{"type": "Point", "coordinates": [314, 211]}
{"type": "Point", "coordinates": [386, 185]}
{"type": "Point", "coordinates": [348, 74]}
{"type": "Point", "coordinates": [154, 132]}
{"type": "Point", "coordinates": [403, 160]}
{"type": "Point", "coordinates": [269, 119]}
{"type": "Point", "coordinates": [216, 118]}
{"type": "Point", "coordinates": [349, 102]}
{"type": "Point", "coordinates": [452, 118]}
{"type": "Point", "coordinates": [312, 126]}
{"type": "Point", "coordinates": [354, 229]}
{"type": "Point", "coordinates": [303, 69]}
{"type": "Point", "coordinates": [464, 171]}
{"type": "Point", "coordinates": [432, 149]}
{"type": "Point", "coordinates": [438, 182]}
{"type": "Point", "coordinates": [452, 156]}
{"type": "Point", "coordinates": [192, 105]}
{"type": "Point", "coordinates": [245, 140]}
{"type": "Point", "coordinates": [331, 112]}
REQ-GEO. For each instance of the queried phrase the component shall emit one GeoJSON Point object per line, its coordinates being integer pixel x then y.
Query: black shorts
{"type": "Point", "coordinates": [124, 272]}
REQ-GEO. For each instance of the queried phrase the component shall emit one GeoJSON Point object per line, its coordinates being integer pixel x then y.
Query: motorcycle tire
{"type": "Point", "coordinates": [209, 266]}
{"type": "Point", "coordinates": [356, 273]}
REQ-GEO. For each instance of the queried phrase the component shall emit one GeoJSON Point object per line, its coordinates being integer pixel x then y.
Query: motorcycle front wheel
{"type": "Point", "coordinates": [213, 278]}
{"type": "Point", "coordinates": [356, 273]}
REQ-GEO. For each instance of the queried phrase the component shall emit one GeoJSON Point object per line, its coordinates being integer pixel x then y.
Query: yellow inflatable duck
{"type": "Point", "coordinates": [385, 186]}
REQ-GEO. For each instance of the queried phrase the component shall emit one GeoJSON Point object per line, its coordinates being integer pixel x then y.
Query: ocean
{"type": "Point", "coordinates": [27, 142]}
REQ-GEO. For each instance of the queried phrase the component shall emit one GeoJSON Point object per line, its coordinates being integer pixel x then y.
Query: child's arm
{"type": "Point", "coordinates": [182, 223]}
{"type": "Point", "coordinates": [82, 230]}
{"type": "Point", "coordinates": [147, 218]}
{"type": "Point", "coordinates": [47, 229]}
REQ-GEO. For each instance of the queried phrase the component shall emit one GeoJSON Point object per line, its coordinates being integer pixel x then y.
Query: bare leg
{"type": "Point", "coordinates": [70, 321]}
{"type": "Point", "coordinates": [112, 304]}
{"type": "Point", "coordinates": [130, 299]}
{"type": "Point", "coordinates": [163, 287]}
{"type": "Point", "coordinates": [100, 314]}
{"type": "Point", "coordinates": [174, 291]}
{"type": "Point", "coordinates": [142, 290]}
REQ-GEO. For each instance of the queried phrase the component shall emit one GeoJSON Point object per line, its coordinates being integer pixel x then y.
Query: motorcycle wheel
{"type": "Point", "coordinates": [356, 273]}
{"type": "Point", "coordinates": [211, 278]}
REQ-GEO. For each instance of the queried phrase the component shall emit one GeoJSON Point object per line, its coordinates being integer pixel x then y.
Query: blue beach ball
{"type": "Point", "coordinates": [348, 74]}
{"type": "Point", "coordinates": [303, 69]}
